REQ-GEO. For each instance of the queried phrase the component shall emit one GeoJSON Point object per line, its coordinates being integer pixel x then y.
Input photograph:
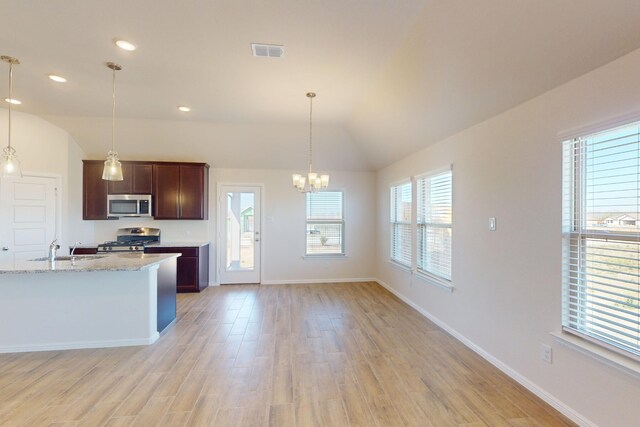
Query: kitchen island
{"type": "Point", "coordinates": [97, 301]}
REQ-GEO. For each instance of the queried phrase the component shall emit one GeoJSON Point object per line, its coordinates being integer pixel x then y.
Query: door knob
{"type": "Point", "coordinates": [4, 248]}
{"type": "Point", "coordinates": [257, 240]}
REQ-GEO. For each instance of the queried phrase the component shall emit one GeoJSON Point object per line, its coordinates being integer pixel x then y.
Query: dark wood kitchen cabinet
{"type": "Point", "coordinates": [193, 265]}
{"type": "Point", "coordinates": [84, 251]}
{"type": "Point", "coordinates": [166, 191]}
{"type": "Point", "coordinates": [137, 178]}
{"type": "Point", "coordinates": [181, 190]}
{"type": "Point", "coordinates": [94, 190]}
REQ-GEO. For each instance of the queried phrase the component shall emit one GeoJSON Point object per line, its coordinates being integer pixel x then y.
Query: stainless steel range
{"type": "Point", "coordinates": [131, 240]}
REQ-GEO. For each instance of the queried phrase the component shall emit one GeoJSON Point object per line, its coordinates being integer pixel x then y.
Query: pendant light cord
{"type": "Point", "coordinates": [310, 131]}
{"type": "Point", "coordinates": [113, 115]}
{"type": "Point", "coordinates": [10, 102]}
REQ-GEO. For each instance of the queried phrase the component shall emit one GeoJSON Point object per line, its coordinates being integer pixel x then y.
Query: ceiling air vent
{"type": "Point", "coordinates": [267, 50]}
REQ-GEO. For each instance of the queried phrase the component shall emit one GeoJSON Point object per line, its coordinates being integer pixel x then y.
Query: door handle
{"type": "Point", "coordinates": [257, 240]}
{"type": "Point", "coordinates": [4, 248]}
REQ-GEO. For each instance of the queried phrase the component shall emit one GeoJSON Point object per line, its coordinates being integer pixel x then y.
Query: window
{"type": "Point", "coordinates": [325, 223]}
{"type": "Point", "coordinates": [601, 249]}
{"type": "Point", "coordinates": [433, 221]}
{"type": "Point", "coordinates": [401, 223]}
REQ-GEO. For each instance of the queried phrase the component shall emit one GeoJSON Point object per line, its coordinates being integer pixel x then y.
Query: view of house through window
{"type": "Point", "coordinates": [240, 228]}
{"type": "Point", "coordinates": [601, 249]}
{"type": "Point", "coordinates": [325, 223]}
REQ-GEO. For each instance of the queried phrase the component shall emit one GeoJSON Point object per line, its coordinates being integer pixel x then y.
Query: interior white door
{"type": "Point", "coordinates": [240, 238]}
{"type": "Point", "coordinates": [27, 217]}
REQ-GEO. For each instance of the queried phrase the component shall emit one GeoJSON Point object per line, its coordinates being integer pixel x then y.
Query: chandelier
{"type": "Point", "coordinates": [112, 167]}
{"type": "Point", "coordinates": [313, 181]}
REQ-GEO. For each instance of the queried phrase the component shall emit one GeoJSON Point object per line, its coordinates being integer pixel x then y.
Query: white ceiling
{"type": "Point", "coordinates": [392, 76]}
{"type": "Point", "coordinates": [198, 53]}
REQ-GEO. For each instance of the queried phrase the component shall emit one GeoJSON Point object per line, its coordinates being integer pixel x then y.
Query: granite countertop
{"type": "Point", "coordinates": [179, 244]}
{"type": "Point", "coordinates": [196, 244]}
{"type": "Point", "coordinates": [90, 263]}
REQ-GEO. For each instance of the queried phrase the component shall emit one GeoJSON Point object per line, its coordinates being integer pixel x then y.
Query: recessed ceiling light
{"type": "Point", "coordinates": [184, 109]}
{"type": "Point", "coordinates": [57, 79]}
{"type": "Point", "coordinates": [123, 44]}
{"type": "Point", "coordinates": [13, 101]}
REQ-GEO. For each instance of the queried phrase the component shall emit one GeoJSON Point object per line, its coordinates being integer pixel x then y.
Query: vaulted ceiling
{"type": "Point", "coordinates": [392, 76]}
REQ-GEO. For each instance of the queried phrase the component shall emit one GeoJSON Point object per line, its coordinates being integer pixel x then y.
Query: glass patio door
{"type": "Point", "coordinates": [240, 234]}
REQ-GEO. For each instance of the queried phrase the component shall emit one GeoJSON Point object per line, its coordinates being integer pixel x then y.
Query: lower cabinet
{"type": "Point", "coordinates": [83, 251]}
{"type": "Point", "coordinates": [193, 266]}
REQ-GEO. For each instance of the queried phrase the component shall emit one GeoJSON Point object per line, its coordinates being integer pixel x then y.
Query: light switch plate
{"type": "Point", "coordinates": [546, 353]}
{"type": "Point", "coordinates": [492, 224]}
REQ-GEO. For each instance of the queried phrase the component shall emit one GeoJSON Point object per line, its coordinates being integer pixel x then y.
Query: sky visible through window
{"type": "Point", "coordinates": [324, 205]}
{"type": "Point", "coordinates": [612, 163]}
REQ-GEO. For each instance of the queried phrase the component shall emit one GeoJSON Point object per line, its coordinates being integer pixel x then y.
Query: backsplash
{"type": "Point", "coordinates": [172, 231]}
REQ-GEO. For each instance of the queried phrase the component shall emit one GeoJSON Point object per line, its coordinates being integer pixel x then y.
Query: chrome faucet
{"type": "Point", "coordinates": [53, 247]}
{"type": "Point", "coordinates": [73, 258]}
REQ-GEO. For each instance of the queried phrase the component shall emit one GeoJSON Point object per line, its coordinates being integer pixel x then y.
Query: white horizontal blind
{"type": "Point", "coordinates": [434, 210]}
{"type": "Point", "coordinates": [401, 223]}
{"type": "Point", "coordinates": [325, 223]}
{"type": "Point", "coordinates": [601, 251]}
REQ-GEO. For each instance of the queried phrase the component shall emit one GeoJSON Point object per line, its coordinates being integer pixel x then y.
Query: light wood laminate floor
{"type": "Point", "coordinates": [291, 355]}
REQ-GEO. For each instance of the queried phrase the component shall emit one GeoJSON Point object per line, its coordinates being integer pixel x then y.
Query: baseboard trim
{"type": "Point", "coordinates": [316, 281]}
{"type": "Point", "coordinates": [522, 380]}
{"type": "Point", "coordinates": [80, 345]}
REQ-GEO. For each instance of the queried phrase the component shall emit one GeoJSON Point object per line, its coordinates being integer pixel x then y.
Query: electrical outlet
{"type": "Point", "coordinates": [492, 224]}
{"type": "Point", "coordinates": [546, 353]}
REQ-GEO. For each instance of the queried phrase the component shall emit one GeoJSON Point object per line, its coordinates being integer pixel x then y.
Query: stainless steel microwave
{"type": "Point", "coordinates": [129, 205]}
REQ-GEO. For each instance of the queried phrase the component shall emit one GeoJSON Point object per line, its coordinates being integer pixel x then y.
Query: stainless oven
{"type": "Point", "coordinates": [129, 205]}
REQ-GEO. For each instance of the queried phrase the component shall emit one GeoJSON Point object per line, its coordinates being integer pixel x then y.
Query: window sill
{"type": "Point", "coordinates": [434, 281]}
{"type": "Point", "coordinates": [400, 266]}
{"type": "Point", "coordinates": [325, 256]}
{"type": "Point", "coordinates": [608, 357]}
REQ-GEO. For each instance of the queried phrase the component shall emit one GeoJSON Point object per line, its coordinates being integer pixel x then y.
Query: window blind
{"type": "Point", "coordinates": [401, 223]}
{"type": "Point", "coordinates": [601, 239]}
{"type": "Point", "coordinates": [325, 223]}
{"type": "Point", "coordinates": [434, 209]}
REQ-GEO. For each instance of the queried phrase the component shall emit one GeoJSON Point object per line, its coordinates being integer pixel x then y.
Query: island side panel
{"type": "Point", "coordinates": [167, 285]}
{"type": "Point", "coordinates": [54, 311]}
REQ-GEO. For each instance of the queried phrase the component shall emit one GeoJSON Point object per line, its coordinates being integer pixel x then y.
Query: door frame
{"type": "Point", "coordinates": [57, 232]}
{"type": "Point", "coordinates": [219, 221]}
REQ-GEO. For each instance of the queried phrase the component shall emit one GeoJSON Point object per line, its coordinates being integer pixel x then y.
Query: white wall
{"type": "Point", "coordinates": [507, 296]}
{"type": "Point", "coordinates": [47, 149]}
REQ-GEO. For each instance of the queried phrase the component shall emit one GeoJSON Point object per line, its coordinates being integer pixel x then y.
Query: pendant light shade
{"type": "Point", "coordinates": [9, 162]}
{"type": "Point", "coordinates": [112, 167]}
{"type": "Point", "coordinates": [313, 181]}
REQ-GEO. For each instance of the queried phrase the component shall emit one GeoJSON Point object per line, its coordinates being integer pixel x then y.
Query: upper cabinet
{"type": "Point", "coordinates": [166, 191]}
{"type": "Point", "coordinates": [94, 190]}
{"type": "Point", "coordinates": [179, 190]}
{"type": "Point", "coordinates": [137, 179]}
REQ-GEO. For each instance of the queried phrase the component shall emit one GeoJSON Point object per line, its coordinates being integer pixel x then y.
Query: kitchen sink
{"type": "Point", "coordinates": [68, 258]}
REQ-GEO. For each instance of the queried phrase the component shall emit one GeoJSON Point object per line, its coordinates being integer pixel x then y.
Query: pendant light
{"type": "Point", "coordinates": [112, 167]}
{"type": "Point", "coordinates": [9, 163]}
{"type": "Point", "coordinates": [313, 181]}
